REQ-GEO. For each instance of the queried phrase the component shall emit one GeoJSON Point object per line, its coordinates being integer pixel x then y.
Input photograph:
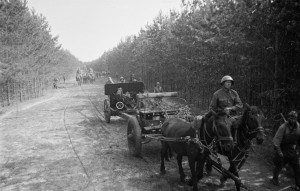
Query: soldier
{"type": "Point", "coordinates": [226, 99]}
{"type": "Point", "coordinates": [158, 88]}
{"type": "Point", "coordinates": [122, 80]}
{"type": "Point", "coordinates": [64, 77]}
{"type": "Point", "coordinates": [285, 143]}
{"type": "Point", "coordinates": [132, 78]}
{"type": "Point", "coordinates": [55, 81]}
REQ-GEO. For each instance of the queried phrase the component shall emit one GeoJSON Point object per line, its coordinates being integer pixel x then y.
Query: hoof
{"type": "Point", "coordinates": [275, 182]}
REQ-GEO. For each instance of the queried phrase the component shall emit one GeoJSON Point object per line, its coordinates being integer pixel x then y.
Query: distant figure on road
{"type": "Point", "coordinates": [109, 80]}
{"type": "Point", "coordinates": [64, 77]}
{"type": "Point", "coordinates": [55, 83]}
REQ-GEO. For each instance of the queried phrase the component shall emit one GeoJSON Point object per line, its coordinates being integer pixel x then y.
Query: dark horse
{"type": "Point", "coordinates": [176, 128]}
{"type": "Point", "coordinates": [249, 127]}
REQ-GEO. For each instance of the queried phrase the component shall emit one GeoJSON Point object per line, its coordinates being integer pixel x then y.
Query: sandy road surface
{"type": "Point", "coordinates": [59, 142]}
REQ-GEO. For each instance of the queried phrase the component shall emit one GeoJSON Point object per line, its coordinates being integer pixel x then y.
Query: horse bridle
{"type": "Point", "coordinates": [256, 130]}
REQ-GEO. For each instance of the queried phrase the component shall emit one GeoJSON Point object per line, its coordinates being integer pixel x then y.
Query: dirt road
{"type": "Point", "coordinates": [61, 142]}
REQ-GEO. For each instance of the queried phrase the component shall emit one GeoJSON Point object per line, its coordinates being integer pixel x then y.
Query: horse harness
{"type": "Point", "coordinates": [215, 139]}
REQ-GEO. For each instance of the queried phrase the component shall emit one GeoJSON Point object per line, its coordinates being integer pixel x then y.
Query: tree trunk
{"type": "Point", "coordinates": [276, 85]}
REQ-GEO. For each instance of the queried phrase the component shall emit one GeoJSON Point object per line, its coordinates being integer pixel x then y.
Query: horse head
{"type": "Point", "coordinates": [222, 127]}
{"type": "Point", "coordinates": [252, 123]}
{"type": "Point", "coordinates": [217, 127]}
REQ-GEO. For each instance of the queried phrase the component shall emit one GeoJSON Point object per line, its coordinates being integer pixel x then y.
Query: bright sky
{"type": "Point", "coordinates": [87, 28]}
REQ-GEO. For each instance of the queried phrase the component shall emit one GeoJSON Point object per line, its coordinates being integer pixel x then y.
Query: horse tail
{"type": "Point", "coordinates": [166, 152]}
{"type": "Point", "coordinates": [169, 153]}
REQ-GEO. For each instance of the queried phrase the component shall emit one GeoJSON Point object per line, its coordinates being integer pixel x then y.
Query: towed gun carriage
{"type": "Point", "coordinates": [145, 112]}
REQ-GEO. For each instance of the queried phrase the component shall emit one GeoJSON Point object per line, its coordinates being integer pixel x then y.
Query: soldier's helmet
{"type": "Point", "coordinates": [227, 78]}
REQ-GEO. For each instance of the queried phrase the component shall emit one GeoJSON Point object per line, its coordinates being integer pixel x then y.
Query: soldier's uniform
{"type": "Point", "coordinates": [285, 143]}
{"type": "Point", "coordinates": [224, 98]}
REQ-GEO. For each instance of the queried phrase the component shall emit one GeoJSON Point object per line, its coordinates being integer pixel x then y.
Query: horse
{"type": "Point", "coordinates": [79, 79]}
{"type": "Point", "coordinates": [85, 78]}
{"type": "Point", "coordinates": [91, 77]}
{"type": "Point", "coordinates": [176, 127]}
{"type": "Point", "coordinates": [249, 126]}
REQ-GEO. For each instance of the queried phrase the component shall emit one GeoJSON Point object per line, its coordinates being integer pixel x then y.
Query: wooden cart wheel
{"type": "Point", "coordinates": [134, 137]}
{"type": "Point", "coordinates": [107, 112]}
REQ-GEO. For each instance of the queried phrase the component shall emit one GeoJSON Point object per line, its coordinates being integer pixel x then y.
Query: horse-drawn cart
{"type": "Point", "coordinates": [145, 112]}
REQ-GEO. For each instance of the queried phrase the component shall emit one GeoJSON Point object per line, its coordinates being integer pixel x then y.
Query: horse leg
{"type": "Point", "coordinates": [181, 172]}
{"type": "Point", "coordinates": [224, 178]}
{"type": "Point", "coordinates": [163, 152]}
{"type": "Point", "coordinates": [242, 162]}
{"type": "Point", "coordinates": [194, 181]}
{"type": "Point", "coordinates": [233, 170]}
{"type": "Point", "coordinates": [208, 168]}
{"type": "Point", "coordinates": [199, 167]}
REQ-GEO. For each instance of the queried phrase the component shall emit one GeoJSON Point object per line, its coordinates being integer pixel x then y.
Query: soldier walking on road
{"type": "Point", "coordinates": [285, 143]}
